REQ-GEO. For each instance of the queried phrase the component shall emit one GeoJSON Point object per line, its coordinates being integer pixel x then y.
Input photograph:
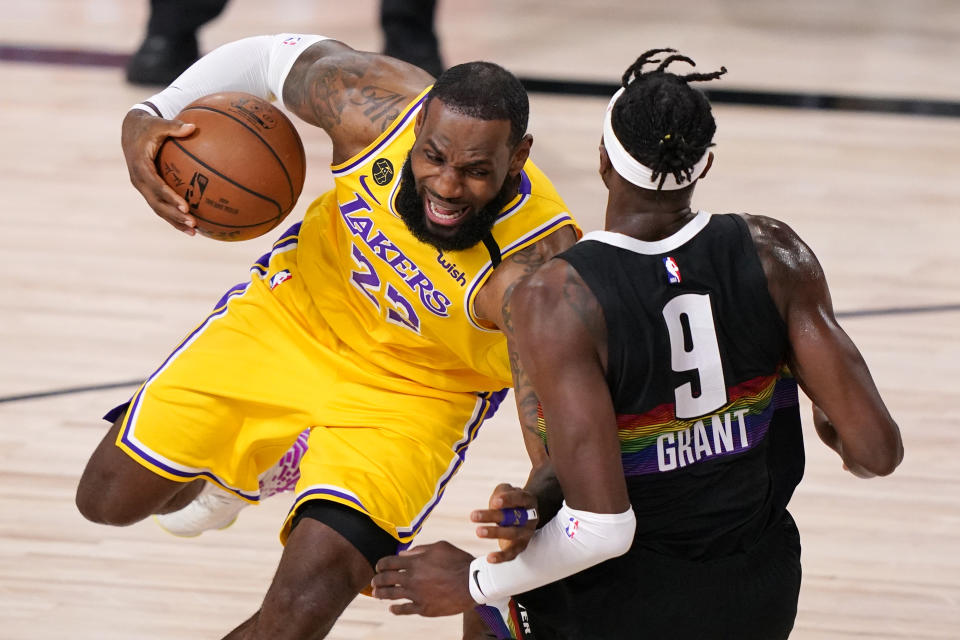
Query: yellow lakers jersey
{"type": "Point", "coordinates": [400, 304]}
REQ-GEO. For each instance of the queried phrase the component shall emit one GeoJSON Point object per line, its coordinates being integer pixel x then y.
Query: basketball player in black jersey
{"type": "Point", "coordinates": [666, 352]}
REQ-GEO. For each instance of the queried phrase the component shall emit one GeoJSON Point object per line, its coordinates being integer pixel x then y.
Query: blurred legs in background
{"type": "Point", "coordinates": [170, 44]}
{"type": "Point", "coordinates": [408, 33]}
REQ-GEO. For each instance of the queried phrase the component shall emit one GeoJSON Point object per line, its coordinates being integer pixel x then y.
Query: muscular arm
{"type": "Point", "coordinates": [561, 340]}
{"type": "Point", "coordinates": [854, 420]}
{"type": "Point", "coordinates": [352, 95]}
{"type": "Point", "coordinates": [556, 322]}
{"type": "Point", "coordinates": [494, 304]}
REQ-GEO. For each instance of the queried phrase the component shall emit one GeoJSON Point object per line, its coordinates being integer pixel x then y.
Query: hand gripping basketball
{"type": "Point", "coordinates": [141, 137]}
{"type": "Point", "coordinates": [242, 169]}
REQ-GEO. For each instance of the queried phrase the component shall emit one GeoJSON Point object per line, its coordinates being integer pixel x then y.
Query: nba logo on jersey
{"type": "Point", "coordinates": [292, 40]}
{"type": "Point", "coordinates": [673, 271]}
{"type": "Point", "coordinates": [279, 278]}
{"type": "Point", "coordinates": [571, 529]}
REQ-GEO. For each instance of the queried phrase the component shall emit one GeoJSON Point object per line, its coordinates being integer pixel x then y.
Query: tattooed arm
{"type": "Point", "coordinates": [352, 95]}
{"type": "Point", "coordinates": [561, 339]}
{"type": "Point", "coordinates": [579, 303]}
{"type": "Point", "coordinates": [494, 304]}
{"type": "Point", "coordinates": [556, 321]}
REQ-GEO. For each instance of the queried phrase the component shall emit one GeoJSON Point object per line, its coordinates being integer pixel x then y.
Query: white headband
{"type": "Point", "coordinates": [634, 172]}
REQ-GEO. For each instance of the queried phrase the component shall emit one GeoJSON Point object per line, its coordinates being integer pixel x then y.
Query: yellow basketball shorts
{"type": "Point", "coordinates": [233, 396]}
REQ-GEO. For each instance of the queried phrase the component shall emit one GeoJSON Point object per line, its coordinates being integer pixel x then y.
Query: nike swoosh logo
{"type": "Point", "coordinates": [476, 580]}
{"type": "Point", "coordinates": [363, 183]}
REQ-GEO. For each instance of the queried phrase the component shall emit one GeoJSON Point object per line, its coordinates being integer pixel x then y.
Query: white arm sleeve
{"type": "Point", "coordinates": [257, 65]}
{"type": "Point", "coordinates": [572, 541]}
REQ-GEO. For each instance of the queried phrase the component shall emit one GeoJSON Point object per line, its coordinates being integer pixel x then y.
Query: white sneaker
{"type": "Point", "coordinates": [214, 508]}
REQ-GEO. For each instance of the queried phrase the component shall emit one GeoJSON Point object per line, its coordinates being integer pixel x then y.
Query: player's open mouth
{"type": "Point", "coordinates": [444, 215]}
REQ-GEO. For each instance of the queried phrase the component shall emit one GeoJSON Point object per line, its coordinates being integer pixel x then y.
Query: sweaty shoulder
{"type": "Point", "coordinates": [541, 228]}
{"type": "Point", "coordinates": [498, 290]}
{"type": "Point", "coordinates": [541, 295]}
{"type": "Point", "coordinates": [788, 263]}
{"type": "Point", "coordinates": [353, 95]}
{"type": "Point", "coordinates": [555, 301]}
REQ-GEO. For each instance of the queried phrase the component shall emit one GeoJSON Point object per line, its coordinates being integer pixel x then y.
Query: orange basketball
{"type": "Point", "coordinates": [241, 170]}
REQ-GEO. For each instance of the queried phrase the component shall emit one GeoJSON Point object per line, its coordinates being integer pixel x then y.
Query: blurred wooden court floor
{"type": "Point", "coordinates": [97, 290]}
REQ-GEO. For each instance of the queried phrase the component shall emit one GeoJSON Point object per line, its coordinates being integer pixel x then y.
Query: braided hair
{"type": "Point", "coordinates": [661, 120]}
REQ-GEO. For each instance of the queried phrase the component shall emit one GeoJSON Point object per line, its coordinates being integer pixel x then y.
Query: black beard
{"type": "Point", "coordinates": [409, 204]}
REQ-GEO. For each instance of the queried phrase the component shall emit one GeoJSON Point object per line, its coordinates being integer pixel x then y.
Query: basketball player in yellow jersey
{"type": "Point", "coordinates": [378, 323]}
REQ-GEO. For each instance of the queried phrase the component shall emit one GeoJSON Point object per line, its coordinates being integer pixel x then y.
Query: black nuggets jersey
{"type": "Point", "coordinates": [707, 414]}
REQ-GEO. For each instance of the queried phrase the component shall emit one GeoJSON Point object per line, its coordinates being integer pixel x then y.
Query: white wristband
{"type": "Point", "coordinates": [257, 65]}
{"type": "Point", "coordinates": [140, 106]}
{"type": "Point", "coordinates": [572, 541]}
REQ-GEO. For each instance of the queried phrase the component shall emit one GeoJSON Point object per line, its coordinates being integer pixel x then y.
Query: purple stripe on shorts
{"type": "Point", "coordinates": [114, 414]}
{"type": "Point", "coordinates": [491, 402]}
{"type": "Point", "coordinates": [330, 492]}
{"type": "Point", "coordinates": [135, 406]}
{"type": "Point", "coordinates": [496, 399]}
{"type": "Point", "coordinates": [289, 237]}
{"type": "Point", "coordinates": [255, 497]}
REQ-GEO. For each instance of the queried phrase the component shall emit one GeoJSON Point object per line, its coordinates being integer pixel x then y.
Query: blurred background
{"type": "Point", "coordinates": [97, 289]}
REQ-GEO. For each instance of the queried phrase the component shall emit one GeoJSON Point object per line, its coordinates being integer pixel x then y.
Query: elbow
{"type": "Point", "coordinates": [878, 460]}
{"type": "Point", "coordinates": [873, 469]}
{"type": "Point", "coordinates": [891, 462]}
{"type": "Point", "coordinates": [894, 453]}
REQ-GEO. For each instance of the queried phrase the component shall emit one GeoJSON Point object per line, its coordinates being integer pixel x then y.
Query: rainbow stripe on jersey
{"type": "Point", "coordinates": [657, 441]}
